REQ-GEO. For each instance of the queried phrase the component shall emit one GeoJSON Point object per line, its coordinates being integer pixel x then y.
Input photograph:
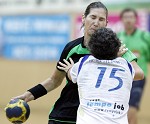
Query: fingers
{"type": "Point", "coordinates": [72, 62]}
{"type": "Point", "coordinates": [122, 50]}
{"type": "Point", "coordinates": [17, 97]}
{"type": "Point", "coordinates": [66, 62]}
{"type": "Point", "coordinates": [27, 96]}
{"type": "Point", "coordinates": [63, 65]}
{"type": "Point", "coordinates": [61, 68]}
{"type": "Point", "coordinates": [122, 47]}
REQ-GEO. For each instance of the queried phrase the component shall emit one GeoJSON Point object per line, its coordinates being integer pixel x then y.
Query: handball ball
{"type": "Point", "coordinates": [17, 111]}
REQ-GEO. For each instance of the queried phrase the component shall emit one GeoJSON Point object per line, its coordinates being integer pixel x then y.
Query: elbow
{"type": "Point", "coordinates": [142, 75]}
{"type": "Point", "coordinates": [139, 75]}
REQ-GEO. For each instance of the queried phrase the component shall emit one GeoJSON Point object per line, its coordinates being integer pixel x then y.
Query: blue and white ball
{"type": "Point", "coordinates": [17, 111]}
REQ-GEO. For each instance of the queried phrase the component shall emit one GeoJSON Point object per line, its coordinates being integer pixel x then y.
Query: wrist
{"type": "Point", "coordinates": [37, 91]}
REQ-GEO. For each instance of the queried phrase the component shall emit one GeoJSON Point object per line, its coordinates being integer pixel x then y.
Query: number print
{"type": "Point", "coordinates": [112, 75]}
{"type": "Point", "coordinates": [100, 77]}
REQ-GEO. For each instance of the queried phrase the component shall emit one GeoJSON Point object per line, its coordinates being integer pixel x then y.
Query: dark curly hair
{"type": "Point", "coordinates": [104, 44]}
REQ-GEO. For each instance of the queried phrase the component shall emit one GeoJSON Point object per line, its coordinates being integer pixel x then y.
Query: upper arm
{"type": "Point", "coordinates": [58, 76]}
{"type": "Point", "coordinates": [54, 81]}
{"type": "Point", "coordinates": [129, 56]}
{"type": "Point", "coordinates": [139, 74]}
{"type": "Point", "coordinates": [66, 52]}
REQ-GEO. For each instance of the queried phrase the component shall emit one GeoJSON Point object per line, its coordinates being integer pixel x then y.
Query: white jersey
{"type": "Point", "coordinates": [104, 90]}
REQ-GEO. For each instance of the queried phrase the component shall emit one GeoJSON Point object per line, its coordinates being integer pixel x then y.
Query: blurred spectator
{"type": "Point", "coordinates": [138, 42]}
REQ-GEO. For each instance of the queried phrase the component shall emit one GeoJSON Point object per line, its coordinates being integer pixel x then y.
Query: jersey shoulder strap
{"type": "Point", "coordinates": [82, 61]}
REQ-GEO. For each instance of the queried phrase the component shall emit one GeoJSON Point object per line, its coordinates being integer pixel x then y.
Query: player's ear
{"type": "Point", "coordinates": [83, 19]}
{"type": "Point", "coordinates": [106, 22]}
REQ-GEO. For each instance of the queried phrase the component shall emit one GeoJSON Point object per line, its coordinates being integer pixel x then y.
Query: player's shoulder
{"type": "Point", "coordinates": [86, 58]}
{"type": "Point", "coordinates": [145, 35]}
{"type": "Point", "coordinates": [143, 32]}
{"type": "Point", "coordinates": [70, 45]}
{"type": "Point", "coordinates": [121, 59]}
{"type": "Point", "coordinates": [75, 42]}
{"type": "Point", "coordinates": [124, 63]}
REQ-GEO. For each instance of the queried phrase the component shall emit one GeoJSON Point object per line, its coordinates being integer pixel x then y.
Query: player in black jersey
{"type": "Point", "coordinates": [65, 109]}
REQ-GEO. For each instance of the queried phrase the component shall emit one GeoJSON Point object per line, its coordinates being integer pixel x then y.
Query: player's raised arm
{"type": "Point", "coordinates": [139, 74]}
{"type": "Point", "coordinates": [122, 50]}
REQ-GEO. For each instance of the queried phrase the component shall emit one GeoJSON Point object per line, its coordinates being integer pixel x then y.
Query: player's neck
{"type": "Point", "coordinates": [86, 40]}
{"type": "Point", "coordinates": [130, 31]}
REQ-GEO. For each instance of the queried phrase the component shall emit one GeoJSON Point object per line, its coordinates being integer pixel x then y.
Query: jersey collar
{"type": "Point", "coordinates": [131, 33]}
{"type": "Point", "coordinates": [82, 43]}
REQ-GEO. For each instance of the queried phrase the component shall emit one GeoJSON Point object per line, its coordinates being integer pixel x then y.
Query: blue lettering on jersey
{"type": "Point", "coordinates": [112, 75]}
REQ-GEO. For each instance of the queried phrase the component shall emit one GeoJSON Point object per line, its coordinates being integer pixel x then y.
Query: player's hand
{"type": "Point", "coordinates": [122, 50]}
{"type": "Point", "coordinates": [66, 65]}
{"type": "Point", "coordinates": [27, 96]}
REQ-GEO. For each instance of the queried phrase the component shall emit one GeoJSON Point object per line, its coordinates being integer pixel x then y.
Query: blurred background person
{"type": "Point", "coordinates": [138, 42]}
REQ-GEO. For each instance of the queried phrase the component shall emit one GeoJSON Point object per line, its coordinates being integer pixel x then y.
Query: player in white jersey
{"type": "Point", "coordinates": [104, 90]}
{"type": "Point", "coordinates": [104, 81]}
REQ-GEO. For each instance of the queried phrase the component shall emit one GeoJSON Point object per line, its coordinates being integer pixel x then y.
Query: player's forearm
{"type": "Point", "coordinates": [54, 81]}
{"type": "Point", "coordinates": [50, 84]}
{"type": "Point", "coordinates": [39, 90]}
{"type": "Point", "coordinates": [139, 74]}
{"type": "Point", "coordinates": [47, 85]}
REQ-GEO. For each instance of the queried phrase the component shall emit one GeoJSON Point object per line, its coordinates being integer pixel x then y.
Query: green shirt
{"type": "Point", "coordinates": [139, 43]}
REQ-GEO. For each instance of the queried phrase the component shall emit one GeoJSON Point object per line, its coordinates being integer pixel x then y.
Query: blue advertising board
{"type": "Point", "coordinates": [35, 37]}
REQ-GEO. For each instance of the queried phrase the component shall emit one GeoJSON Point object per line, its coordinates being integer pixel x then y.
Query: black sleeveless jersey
{"type": "Point", "coordinates": [65, 108]}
